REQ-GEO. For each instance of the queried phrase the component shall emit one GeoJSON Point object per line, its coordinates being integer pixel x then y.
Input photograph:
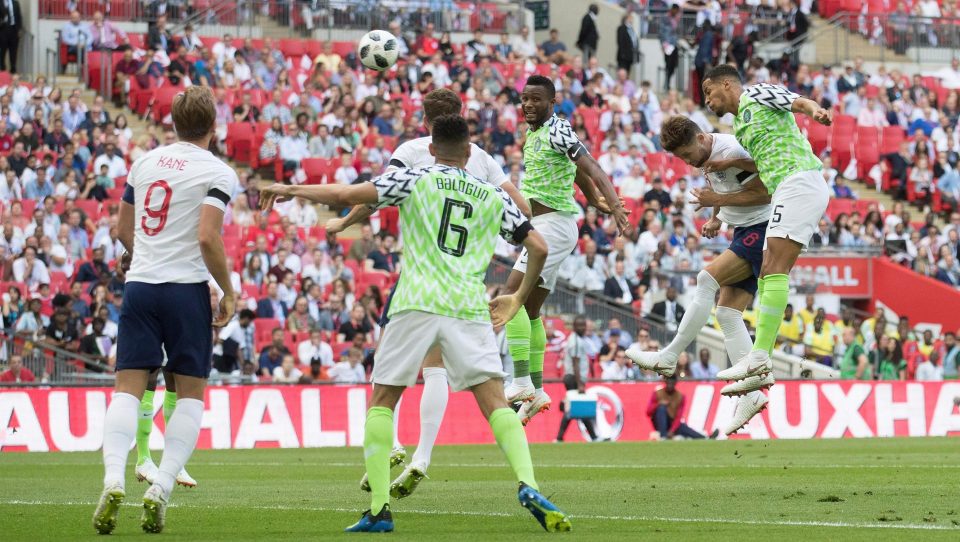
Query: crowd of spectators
{"type": "Point", "coordinates": [315, 298]}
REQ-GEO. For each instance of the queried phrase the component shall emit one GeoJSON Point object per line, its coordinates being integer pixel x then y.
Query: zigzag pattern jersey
{"type": "Point", "coordinates": [549, 170]}
{"type": "Point", "coordinates": [766, 128]}
{"type": "Point", "coordinates": [450, 222]}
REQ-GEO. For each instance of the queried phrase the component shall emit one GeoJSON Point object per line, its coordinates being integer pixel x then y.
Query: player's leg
{"type": "Point", "coordinates": [538, 345]}
{"type": "Point", "coordinates": [433, 404]}
{"type": "Point", "coordinates": [138, 353]}
{"type": "Point", "coordinates": [736, 339]}
{"type": "Point", "coordinates": [798, 204]}
{"type": "Point", "coordinates": [560, 232]}
{"type": "Point", "coordinates": [403, 346]}
{"type": "Point", "coordinates": [727, 268]}
{"type": "Point", "coordinates": [146, 469]}
{"type": "Point", "coordinates": [169, 405]}
{"type": "Point", "coordinates": [185, 314]}
{"type": "Point", "coordinates": [119, 432]}
{"type": "Point", "coordinates": [518, 342]}
{"type": "Point", "coordinates": [473, 362]}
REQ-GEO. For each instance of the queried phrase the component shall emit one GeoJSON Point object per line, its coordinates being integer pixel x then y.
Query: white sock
{"type": "Point", "coordinates": [736, 337]}
{"type": "Point", "coordinates": [522, 380]}
{"type": "Point", "coordinates": [396, 425]}
{"type": "Point", "coordinates": [119, 431]}
{"type": "Point", "coordinates": [433, 404]}
{"type": "Point", "coordinates": [698, 312]}
{"type": "Point", "coordinates": [178, 442]}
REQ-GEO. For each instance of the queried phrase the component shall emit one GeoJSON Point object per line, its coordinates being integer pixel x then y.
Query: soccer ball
{"type": "Point", "coordinates": [378, 50]}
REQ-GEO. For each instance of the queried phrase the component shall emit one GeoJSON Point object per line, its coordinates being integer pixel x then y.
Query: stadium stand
{"type": "Point", "coordinates": [299, 110]}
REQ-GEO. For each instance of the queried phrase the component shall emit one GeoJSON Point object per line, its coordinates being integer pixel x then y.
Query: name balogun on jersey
{"type": "Point", "coordinates": [463, 186]}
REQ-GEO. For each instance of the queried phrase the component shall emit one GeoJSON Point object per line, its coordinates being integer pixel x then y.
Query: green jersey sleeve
{"type": "Point", "coordinates": [394, 187]}
{"type": "Point", "coordinates": [514, 227]}
{"type": "Point", "coordinates": [564, 140]}
{"type": "Point", "coordinates": [772, 96]}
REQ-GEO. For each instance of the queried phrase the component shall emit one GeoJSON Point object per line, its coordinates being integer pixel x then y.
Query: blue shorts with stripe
{"type": "Point", "coordinates": [169, 317]}
{"type": "Point", "coordinates": [748, 244]}
{"type": "Point", "coordinates": [384, 319]}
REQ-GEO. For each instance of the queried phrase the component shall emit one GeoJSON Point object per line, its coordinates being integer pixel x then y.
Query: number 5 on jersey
{"type": "Point", "coordinates": [445, 227]}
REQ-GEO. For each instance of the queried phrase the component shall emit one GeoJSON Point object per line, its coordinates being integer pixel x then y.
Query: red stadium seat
{"type": "Point", "coordinates": [292, 47]}
{"type": "Point", "coordinates": [317, 170]}
{"type": "Point", "coordinates": [240, 141]}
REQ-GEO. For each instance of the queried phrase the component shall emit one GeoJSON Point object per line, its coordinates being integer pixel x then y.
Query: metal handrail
{"type": "Point", "coordinates": [216, 8]}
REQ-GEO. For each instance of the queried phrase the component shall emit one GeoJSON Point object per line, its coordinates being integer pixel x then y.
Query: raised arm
{"type": "Point", "coordinates": [781, 99]}
{"type": "Point", "coordinates": [589, 166]}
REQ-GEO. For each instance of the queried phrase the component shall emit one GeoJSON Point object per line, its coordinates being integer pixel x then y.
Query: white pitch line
{"type": "Point", "coordinates": [780, 523]}
{"type": "Point", "coordinates": [626, 466]}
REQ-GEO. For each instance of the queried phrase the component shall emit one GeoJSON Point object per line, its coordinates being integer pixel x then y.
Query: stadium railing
{"type": "Point", "coordinates": [569, 301]}
{"type": "Point", "coordinates": [54, 365]}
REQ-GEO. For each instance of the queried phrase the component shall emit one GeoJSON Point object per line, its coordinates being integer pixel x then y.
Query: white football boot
{"type": "Point", "coordinates": [747, 385]}
{"type": "Point", "coordinates": [748, 406]}
{"type": "Point", "coordinates": [105, 516]}
{"type": "Point", "coordinates": [147, 471]}
{"type": "Point", "coordinates": [154, 510]}
{"type": "Point", "coordinates": [662, 363]}
{"type": "Point", "coordinates": [185, 479]}
{"type": "Point", "coordinates": [517, 393]}
{"type": "Point", "coordinates": [539, 403]}
{"type": "Point", "coordinates": [756, 363]}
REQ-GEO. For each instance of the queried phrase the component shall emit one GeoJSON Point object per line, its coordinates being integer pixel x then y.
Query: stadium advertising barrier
{"type": "Point", "coordinates": [848, 277]}
{"type": "Point", "coordinates": [71, 419]}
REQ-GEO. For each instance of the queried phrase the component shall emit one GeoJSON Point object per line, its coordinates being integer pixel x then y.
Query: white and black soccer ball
{"type": "Point", "coordinates": [378, 50]}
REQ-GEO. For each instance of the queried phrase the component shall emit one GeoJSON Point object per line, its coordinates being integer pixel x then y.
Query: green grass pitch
{"type": "Point", "coordinates": [874, 489]}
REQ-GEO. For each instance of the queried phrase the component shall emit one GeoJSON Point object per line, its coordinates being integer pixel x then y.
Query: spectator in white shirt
{"type": "Point", "coordinates": [436, 66]}
{"type": "Point", "coordinates": [634, 185]}
{"type": "Point", "coordinates": [930, 370]}
{"type": "Point", "coordinates": [314, 350]}
{"type": "Point", "coordinates": [590, 271]}
{"type": "Point", "coordinates": [650, 239]}
{"type": "Point", "coordinates": [287, 372]}
{"type": "Point", "coordinates": [30, 270]}
{"type": "Point", "coordinates": [116, 165]}
{"type": "Point", "coordinates": [349, 371]}
{"type": "Point", "coordinates": [613, 163]}
{"type": "Point", "coordinates": [303, 214]}
{"type": "Point", "coordinates": [346, 173]}
{"type": "Point", "coordinates": [617, 368]}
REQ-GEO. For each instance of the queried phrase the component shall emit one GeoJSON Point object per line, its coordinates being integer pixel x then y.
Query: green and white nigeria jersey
{"type": "Point", "coordinates": [450, 222]}
{"type": "Point", "coordinates": [766, 128]}
{"type": "Point", "coordinates": [548, 165]}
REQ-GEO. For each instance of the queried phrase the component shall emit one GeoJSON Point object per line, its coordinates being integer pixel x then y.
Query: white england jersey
{"type": "Point", "coordinates": [416, 153]}
{"type": "Point", "coordinates": [731, 180]}
{"type": "Point", "coordinates": [167, 187]}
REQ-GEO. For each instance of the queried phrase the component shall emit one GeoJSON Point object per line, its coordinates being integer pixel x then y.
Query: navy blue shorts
{"type": "Point", "coordinates": [384, 319]}
{"type": "Point", "coordinates": [175, 318]}
{"type": "Point", "coordinates": [748, 244]}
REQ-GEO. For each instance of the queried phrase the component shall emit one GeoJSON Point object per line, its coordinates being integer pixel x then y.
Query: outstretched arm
{"type": "Point", "coordinates": [329, 194]}
{"type": "Point", "coordinates": [359, 213]}
{"type": "Point", "coordinates": [753, 193]}
{"type": "Point", "coordinates": [813, 110]}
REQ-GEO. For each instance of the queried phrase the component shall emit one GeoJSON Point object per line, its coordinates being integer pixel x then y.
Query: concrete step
{"type": "Point", "coordinates": [838, 45]}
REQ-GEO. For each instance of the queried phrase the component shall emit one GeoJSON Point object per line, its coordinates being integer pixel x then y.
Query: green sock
{"type": "Point", "coordinates": [513, 442]}
{"type": "Point", "coordinates": [169, 405]}
{"type": "Point", "coordinates": [538, 343]}
{"type": "Point", "coordinates": [377, 442]}
{"type": "Point", "coordinates": [518, 341]}
{"type": "Point", "coordinates": [773, 301]}
{"type": "Point", "coordinates": [144, 426]}
{"type": "Point", "coordinates": [760, 284]}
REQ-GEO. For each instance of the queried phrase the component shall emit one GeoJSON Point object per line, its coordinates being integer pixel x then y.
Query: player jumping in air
{"type": "Point", "coordinates": [433, 403]}
{"type": "Point", "coordinates": [450, 221]}
{"type": "Point", "coordinates": [553, 159]}
{"type": "Point", "coordinates": [170, 220]}
{"type": "Point", "coordinates": [765, 126]}
{"type": "Point", "coordinates": [741, 200]}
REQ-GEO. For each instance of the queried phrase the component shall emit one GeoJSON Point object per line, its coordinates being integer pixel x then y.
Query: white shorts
{"type": "Point", "coordinates": [560, 232]}
{"type": "Point", "coordinates": [469, 348]}
{"type": "Point", "coordinates": [797, 206]}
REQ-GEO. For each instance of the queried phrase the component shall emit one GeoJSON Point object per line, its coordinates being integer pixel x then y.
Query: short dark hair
{"type": "Point", "coordinates": [440, 102]}
{"type": "Point", "coordinates": [677, 131]}
{"type": "Point", "coordinates": [247, 314]}
{"type": "Point", "coordinates": [450, 130]}
{"type": "Point", "coordinates": [542, 81]}
{"type": "Point", "coordinates": [194, 113]}
{"type": "Point", "coordinates": [723, 71]}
